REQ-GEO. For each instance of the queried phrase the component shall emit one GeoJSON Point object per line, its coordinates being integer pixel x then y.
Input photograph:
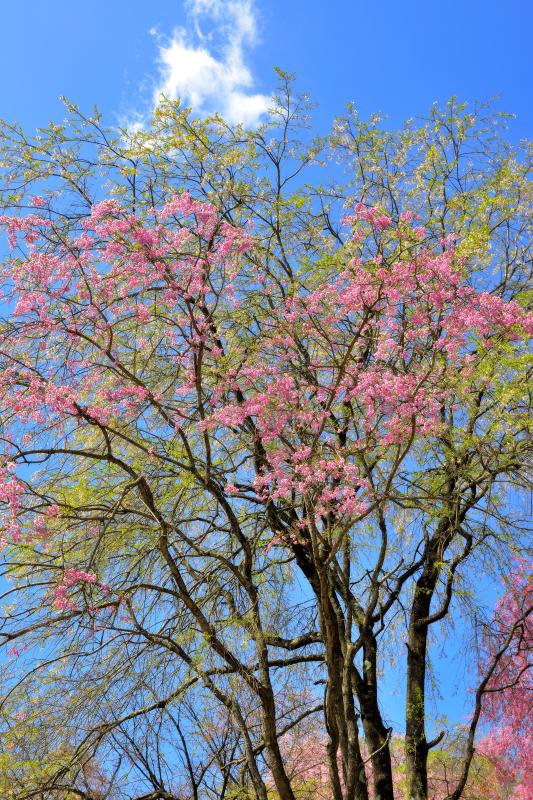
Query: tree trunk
{"type": "Point", "coordinates": [376, 734]}
{"type": "Point", "coordinates": [416, 748]}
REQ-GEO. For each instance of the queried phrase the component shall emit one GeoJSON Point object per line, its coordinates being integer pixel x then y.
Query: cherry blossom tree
{"type": "Point", "coordinates": [505, 697]}
{"type": "Point", "coordinates": [255, 436]}
{"type": "Point", "coordinates": [490, 777]}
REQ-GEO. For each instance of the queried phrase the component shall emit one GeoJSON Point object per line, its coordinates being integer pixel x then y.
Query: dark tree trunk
{"type": "Point", "coordinates": [343, 748]}
{"type": "Point", "coordinates": [416, 747]}
{"type": "Point", "coordinates": [376, 734]}
{"type": "Point", "coordinates": [377, 738]}
{"type": "Point", "coordinates": [341, 715]}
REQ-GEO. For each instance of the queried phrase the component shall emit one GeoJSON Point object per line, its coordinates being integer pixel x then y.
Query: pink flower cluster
{"type": "Point", "coordinates": [332, 483]}
{"type": "Point", "coordinates": [508, 703]}
{"type": "Point", "coordinates": [401, 317]}
{"type": "Point", "coordinates": [29, 226]}
{"type": "Point", "coordinates": [71, 577]}
{"type": "Point", "coordinates": [38, 399]}
{"type": "Point", "coordinates": [365, 353]}
{"type": "Point", "coordinates": [11, 490]}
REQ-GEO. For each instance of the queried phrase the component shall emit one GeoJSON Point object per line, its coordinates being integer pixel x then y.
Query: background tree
{"type": "Point", "coordinates": [258, 434]}
{"type": "Point", "coordinates": [506, 696]}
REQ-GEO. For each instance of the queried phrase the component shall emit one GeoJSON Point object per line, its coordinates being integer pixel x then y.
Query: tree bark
{"type": "Point", "coordinates": [416, 747]}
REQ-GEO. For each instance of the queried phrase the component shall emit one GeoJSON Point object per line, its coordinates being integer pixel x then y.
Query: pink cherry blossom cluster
{"type": "Point", "coordinates": [74, 299]}
{"type": "Point", "coordinates": [71, 577]}
{"type": "Point", "coordinates": [373, 215]}
{"type": "Point", "coordinates": [332, 484]}
{"type": "Point", "coordinates": [508, 702]}
{"type": "Point", "coordinates": [29, 226]}
{"type": "Point", "coordinates": [367, 348]}
{"type": "Point", "coordinates": [11, 490]}
{"type": "Point", "coordinates": [404, 315]}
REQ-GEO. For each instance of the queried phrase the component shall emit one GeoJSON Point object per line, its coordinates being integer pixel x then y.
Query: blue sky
{"type": "Point", "coordinates": [390, 56]}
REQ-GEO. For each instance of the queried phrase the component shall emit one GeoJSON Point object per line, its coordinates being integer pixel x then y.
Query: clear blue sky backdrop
{"type": "Point", "coordinates": [389, 56]}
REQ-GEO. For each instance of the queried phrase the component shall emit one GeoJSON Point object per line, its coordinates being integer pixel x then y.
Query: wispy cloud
{"type": "Point", "coordinates": [206, 63]}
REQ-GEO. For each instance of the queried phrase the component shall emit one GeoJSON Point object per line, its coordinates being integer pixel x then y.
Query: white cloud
{"type": "Point", "coordinates": [205, 63]}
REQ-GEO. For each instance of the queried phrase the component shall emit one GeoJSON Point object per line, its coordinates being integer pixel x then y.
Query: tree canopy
{"type": "Point", "coordinates": [265, 423]}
